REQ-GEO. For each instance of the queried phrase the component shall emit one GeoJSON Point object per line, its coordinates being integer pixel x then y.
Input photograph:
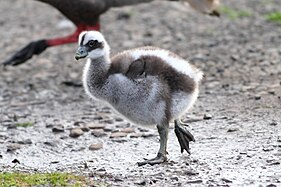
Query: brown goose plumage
{"type": "Point", "coordinates": [85, 15]}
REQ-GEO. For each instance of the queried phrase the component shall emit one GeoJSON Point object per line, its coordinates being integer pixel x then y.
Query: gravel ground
{"type": "Point", "coordinates": [237, 131]}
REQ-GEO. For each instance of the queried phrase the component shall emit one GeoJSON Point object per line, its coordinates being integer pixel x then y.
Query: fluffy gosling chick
{"type": "Point", "coordinates": [148, 86]}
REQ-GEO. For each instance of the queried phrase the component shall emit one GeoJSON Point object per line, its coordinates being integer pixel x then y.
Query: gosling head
{"type": "Point", "coordinates": [92, 45]}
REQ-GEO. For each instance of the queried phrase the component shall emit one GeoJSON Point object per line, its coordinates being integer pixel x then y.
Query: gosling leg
{"type": "Point", "coordinates": [183, 135]}
{"type": "Point", "coordinates": [161, 157]}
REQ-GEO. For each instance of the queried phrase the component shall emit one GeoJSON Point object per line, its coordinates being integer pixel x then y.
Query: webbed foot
{"type": "Point", "coordinates": [183, 135]}
{"type": "Point", "coordinates": [160, 158]}
{"type": "Point", "coordinates": [33, 48]}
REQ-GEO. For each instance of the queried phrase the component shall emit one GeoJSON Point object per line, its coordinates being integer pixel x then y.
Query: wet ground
{"type": "Point", "coordinates": [238, 142]}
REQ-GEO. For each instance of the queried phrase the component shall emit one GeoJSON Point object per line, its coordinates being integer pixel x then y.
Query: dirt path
{"type": "Point", "coordinates": [240, 145]}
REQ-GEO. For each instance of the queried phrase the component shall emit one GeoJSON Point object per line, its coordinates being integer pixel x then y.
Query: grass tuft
{"type": "Point", "coordinates": [234, 14]}
{"type": "Point", "coordinates": [49, 179]}
{"type": "Point", "coordinates": [274, 17]}
{"type": "Point", "coordinates": [26, 124]}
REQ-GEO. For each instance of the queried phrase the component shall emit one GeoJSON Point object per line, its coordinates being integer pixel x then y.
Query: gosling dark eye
{"type": "Point", "coordinates": [92, 43]}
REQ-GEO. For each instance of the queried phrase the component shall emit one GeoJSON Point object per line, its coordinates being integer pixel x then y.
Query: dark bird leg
{"type": "Point", "coordinates": [183, 135]}
{"type": "Point", "coordinates": [37, 47]}
{"type": "Point", "coordinates": [33, 48]}
{"type": "Point", "coordinates": [161, 157]}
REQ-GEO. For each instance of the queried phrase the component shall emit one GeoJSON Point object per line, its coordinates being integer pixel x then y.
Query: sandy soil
{"type": "Point", "coordinates": [240, 145]}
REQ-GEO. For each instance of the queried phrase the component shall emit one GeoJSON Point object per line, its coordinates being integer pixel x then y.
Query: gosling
{"type": "Point", "coordinates": [147, 85]}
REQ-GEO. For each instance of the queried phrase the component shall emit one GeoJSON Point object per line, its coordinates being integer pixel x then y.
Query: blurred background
{"type": "Point", "coordinates": [237, 128]}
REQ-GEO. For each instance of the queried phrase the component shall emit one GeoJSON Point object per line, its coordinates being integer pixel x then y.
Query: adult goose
{"type": "Point", "coordinates": [148, 86]}
{"type": "Point", "coordinates": [85, 15]}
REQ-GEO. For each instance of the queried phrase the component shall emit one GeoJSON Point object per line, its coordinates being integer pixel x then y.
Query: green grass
{"type": "Point", "coordinates": [274, 17]}
{"type": "Point", "coordinates": [234, 14]}
{"type": "Point", "coordinates": [26, 124]}
{"type": "Point", "coordinates": [49, 179]}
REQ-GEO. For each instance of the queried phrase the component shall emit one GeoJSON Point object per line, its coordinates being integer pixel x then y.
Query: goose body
{"type": "Point", "coordinates": [148, 85]}
{"type": "Point", "coordinates": [85, 15]}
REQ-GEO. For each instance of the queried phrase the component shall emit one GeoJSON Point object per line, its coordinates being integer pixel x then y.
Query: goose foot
{"type": "Point", "coordinates": [33, 48]}
{"type": "Point", "coordinates": [183, 135]}
{"type": "Point", "coordinates": [160, 158]}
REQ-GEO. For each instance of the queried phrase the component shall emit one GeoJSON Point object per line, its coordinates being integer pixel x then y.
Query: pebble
{"type": "Point", "coordinates": [98, 133]}
{"type": "Point", "coordinates": [226, 180]}
{"type": "Point", "coordinates": [141, 182]}
{"type": "Point", "coordinates": [118, 134]}
{"type": "Point", "coordinates": [27, 141]}
{"type": "Point", "coordinates": [96, 146]}
{"type": "Point", "coordinates": [232, 129]}
{"type": "Point", "coordinates": [123, 125]}
{"type": "Point", "coordinates": [51, 143]}
{"type": "Point", "coordinates": [110, 129]}
{"type": "Point", "coordinates": [135, 135]}
{"type": "Point", "coordinates": [190, 173]}
{"type": "Point", "coordinates": [58, 128]}
{"type": "Point", "coordinates": [13, 147]}
{"type": "Point", "coordinates": [16, 161]}
{"type": "Point", "coordinates": [76, 132]}
{"type": "Point", "coordinates": [147, 135]}
{"type": "Point", "coordinates": [96, 125]}
{"type": "Point", "coordinates": [128, 130]}
{"type": "Point", "coordinates": [207, 116]}
{"type": "Point", "coordinates": [119, 119]}
{"type": "Point", "coordinates": [257, 97]}
{"type": "Point", "coordinates": [119, 140]}
{"type": "Point", "coordinates": [85, 129]}
{"type": "Point", "coordinates": [274, 123]}
{"type": "Point", "coordinates": [194, 181]}
{"type": "Point", "coordinates": [108, 121]}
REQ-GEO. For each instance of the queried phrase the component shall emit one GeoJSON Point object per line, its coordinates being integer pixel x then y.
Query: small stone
{"type": "Point", "coordinates": [271, 185]}
{"type": "Point", "coordinates": [119, 119]}
{"type": "Point", "coordinates": [108, 121]}
{"type": "Point", "coordinates": [12, 126]}
{"type": "Point", "coordinates": [272, 92]}
{"type": "Point", "coordinates": [49, 125]}
{"type": "Point", "coordinates": [118, 179]}
{"type": "Point", "coordinates": [128, 130]}
{"type": "Point", "coordinates": [207, 116]}
{"type": "Point", "coordinates": [141, 182]}
{"type": "Point", "coordinates": [274, 123]}
{"type": "Point", "coordinates": [96, 146]}
{"type": "Point", "coordinates": [96, 125]}
{"type": "Point", "coordinates": [123, 125]}
{"type": "Point", "coordinates": [77, 123]}
{"type": "Point", "coordinates": [16, 161]}
{"type": "Point", "coordinates": [76, 132]}
{"type": "Point", "coordinates": [147, 135]}
{"type": "Point", "coordinates": [110, 129]}
{"type": "Point", "coordinates": [118, 134]}
{"type": "Point", "coordinates": [119, 140]}
{"type": "Point", "coordinates": [51, 143]}
{"type": "Point", "coordinates": [135, 135]}
{"type": "Point", "coordinates": [58, 128]}
{"type": "Point", "coordinates": [194, 181]}
{"type": "Point", "coordinates": [257, 97]}
{"type": "Point", "coordinates": [190, 173]}
{"type": "Point", "coordinates": [143, 130]}
{"type": "Point", "coordinates": [85, 129]}
{"type": "Point", "coordinates": [13, 147]}
{"type": "Point", "coordinates": [174, 178]}
{"type": "Point", "coordinates": [232, 129]}
{"type": "Point", "coordinates": [98, 133]}
{"type": "Point", "coordinates": [55, 162]}
{"type": "Point", "coordinates": [267, 149]}
{"type": "Point", "coordinates": [226, 180]}
{"type": "Point", "coordinates": [27, 141]}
